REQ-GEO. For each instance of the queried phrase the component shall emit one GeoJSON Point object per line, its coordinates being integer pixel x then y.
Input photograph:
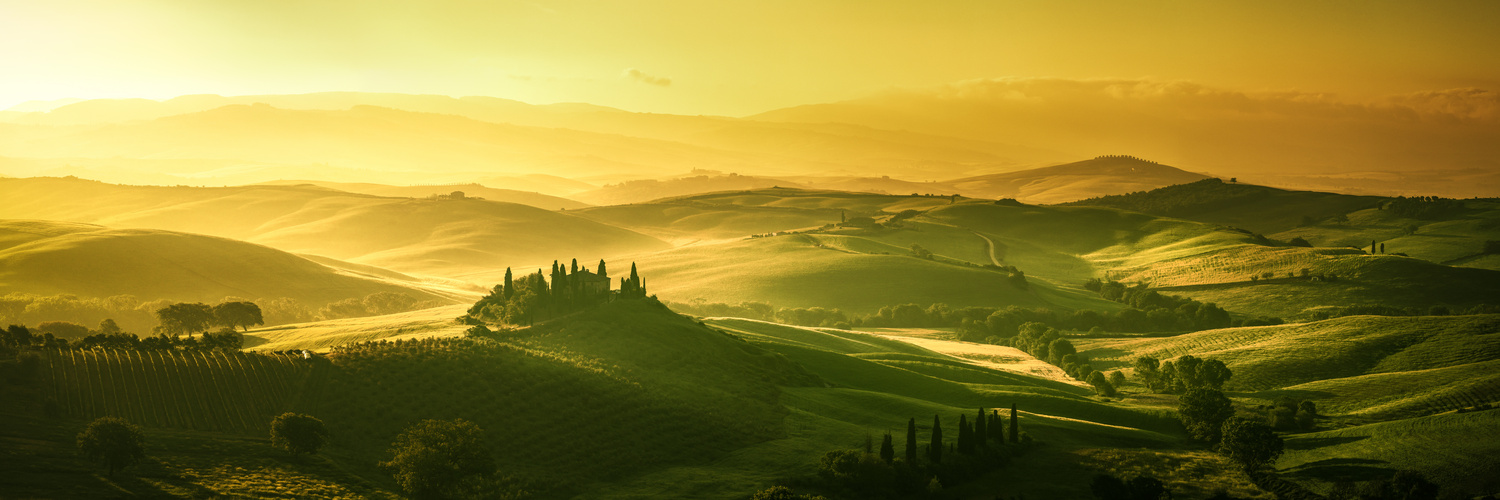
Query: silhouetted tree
{"type": "Point", "coordinates": [1250, 443]}
{"type": "Point", "coordinates": [1107, 487]}
{"type": "Point", "coordinates": [177, 319]}
{"type": "Point", "coordinates": [887, 449]}
{"type": "Point", "coordinates": [1203, 412]}
{"type": "Point", "coordinates": [1146, 488]}
{"type": "Point", "coordinates": [965, 435]}
{"type": "Point", "coordinates": [114, 441]}
{"type": "Point", "coordinates": [297, 433]}
{"type": "Point", "coordinates": [981, 429]}
{"type": "Point", "coordinates": [911, 441]}
{"type": "Point", "coordinates": [510, 288]}
{"type": "Point", "coordinates": [1015, 433]}
{"type": "Point", "coordinates": [238, 315]}
{"type": "Point", "coordinates": [602, 271]}
{"type": "Point", "coordinates": [434, 458]}
{"type": "Point", "coordinates": [935, 446]}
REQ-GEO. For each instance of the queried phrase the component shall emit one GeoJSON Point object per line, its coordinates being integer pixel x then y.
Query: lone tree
{"type": "Point", "coordinates": [114, 441]}
{"type": "Point", "coordinates": [1250, 443]}
{"type": "Point", "coordinates": [1203, 412]}
{"type": "Point", "coordinates": [297, 433]}
{"type": "Point", "coordinates": [180, 318]}
{"type": "Point", "coordinates": [238, 315]}
{"type": "Point", "coordinates": [435, 458]}
{"type": "Point", "coordinates": [1015, 433]}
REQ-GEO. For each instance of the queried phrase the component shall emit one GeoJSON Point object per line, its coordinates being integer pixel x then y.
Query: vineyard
{"type": "Point", "coordinates": [206, 391]}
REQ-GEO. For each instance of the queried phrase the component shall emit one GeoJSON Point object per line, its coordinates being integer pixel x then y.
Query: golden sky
{"type": "Point", "coordinates": [730, 57]}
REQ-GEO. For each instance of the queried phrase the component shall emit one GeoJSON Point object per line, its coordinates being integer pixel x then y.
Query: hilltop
{"type": "Point", "coordinates": [1075, 181]}
{"type": "Point", "coordinates": [445, 237]}
{"type": "Point", "coordinates": [1257, 208]}
{"type": "Point", "coordinates": [59, 258]}
{"type": "Point", "coordinates": [473, 190]}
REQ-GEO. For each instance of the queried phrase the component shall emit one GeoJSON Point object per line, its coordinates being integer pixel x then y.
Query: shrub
{"type": "Point", "coordinates": [297, 433]}
{"type": "Point", "coordinates": [114, 441]}
{"type": "Point", "coordinates": [439, 458]}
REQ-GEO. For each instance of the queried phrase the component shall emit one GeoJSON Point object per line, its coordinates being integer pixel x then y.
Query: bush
{"type": "Point", "coordinates": [1203, 412]}
{"type": "Point", "coordinates": [440, 458]}
{"type": "Point", "coordinates": [297, 433]}
{"type": "Point", "coordinates": [1251, 444]}
{"type": "Point", "coordinates": [114, 441]}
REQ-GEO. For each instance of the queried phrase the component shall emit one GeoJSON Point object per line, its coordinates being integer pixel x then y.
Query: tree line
{"type": "Point", "coordinates": [175, 320]}
{"type": "Point", "coordinates": [566, 289]}
{"type": "Point", "coordinates": [982, 442]}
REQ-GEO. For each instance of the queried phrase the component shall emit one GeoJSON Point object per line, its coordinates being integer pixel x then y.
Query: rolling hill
{"type": "Point", "coordinates": [1257, 208]}
{"type": "Point", "coordinates": [1074, 181]}
{"type": "Point", "coordinates": [53, 258]}
{"type": "Point", "coordinates": [527, 198]}
{"type": "Point", "coordinates": [454, 238]}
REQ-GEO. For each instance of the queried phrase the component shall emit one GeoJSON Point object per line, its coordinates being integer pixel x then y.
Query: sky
{"type": "Point", "coordinates": [731, 57]}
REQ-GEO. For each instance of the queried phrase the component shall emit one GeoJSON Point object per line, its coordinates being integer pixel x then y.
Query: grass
{"type": "Point", "coordinates": [449, 238]}
{"type": "Point", "coordinates": [321, 335]}
{"type": "Point", "coordinates": [1455, 450]}
{"type": "Point", "coordinates": [1455, 240]}
{"type": "Point", "coordinates": [50, 258]}
{"type": "Point", "coordinates": [1280, 356]}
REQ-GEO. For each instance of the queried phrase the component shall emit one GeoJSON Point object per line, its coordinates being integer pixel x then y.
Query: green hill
{"type": "Point", "coordinates": [1258, 208]}
{"type": "Point", "coordinates": [1285, 356]}
{"type": "Point", "coordinates": [56, 258]}
{"type": "Point", "coordinates": [447, 237]}
{"type": "Point", "coordinates": [1455, 450]}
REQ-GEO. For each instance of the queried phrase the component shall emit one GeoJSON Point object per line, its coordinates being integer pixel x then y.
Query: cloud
{"type": "Point", "coordinates": [637, 75]}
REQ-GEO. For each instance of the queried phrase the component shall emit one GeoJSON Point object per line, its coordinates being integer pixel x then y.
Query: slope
{"type": "Point", "coordinates": [1100, 176]}
{"type": "Point", "coordinates": [51, 258]}
{"type": "Point", "coordinates": [473, 190]}
{"type": "Point", "coordinates": [447, 237]}
{"type": "Point", "coordinates": [1258, 208]}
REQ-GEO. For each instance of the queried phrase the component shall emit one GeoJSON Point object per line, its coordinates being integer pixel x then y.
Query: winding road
{"type": "Point", "coordinates": [991, 244]}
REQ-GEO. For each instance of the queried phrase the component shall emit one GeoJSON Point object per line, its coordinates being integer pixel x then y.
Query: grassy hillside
{"type": "Point", "coordinates": [322, 335]}
{"type": "Point", "coordinates": [687, 221]}
{"type": "Point", "coordinates": [472, 190]}
{"type": "Point", "coordinates": [1100, 176]}
{"type": "Point", "coordinates": [51, 258]}
{"type": "Point", "coordinates": [1456, 450]}
{"type": "Point", "coordinates": [1456, 239]}
{"type": "Point", "coordinates": [1284, 356]}
{"type": "Point", "coordinates": [445, 237]}
{"type": "Point", "coordinates": [1258, 208]}
{"type": "Point", "coordinates": [834, 271]}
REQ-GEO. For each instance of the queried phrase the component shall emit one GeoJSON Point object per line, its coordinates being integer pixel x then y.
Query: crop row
{"type": "Point", "coordinates": [211, 391]}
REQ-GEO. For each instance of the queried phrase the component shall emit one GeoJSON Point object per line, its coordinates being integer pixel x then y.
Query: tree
{"type": "Point", "coordinates": [1015, 435]}
{"type": "Point", "coordinates": [1250, 443]}
{"type": "Point", "coordinates": [1101, 384]}
{"type": "Point", "coordinates": [887, 449]}
{"type": "Point", "coordinates": [297, 433]}
{"type": "Point", "coordinates": [435, 458]}
{"type": "Point", "coordinates": [238, 315]}
{"type": "Point", "coordinates": [1213, 373]}
{"type": "Point", "coordinates": [1107, 487]}
{"type": "Point", "coordinates": [1148, 370]}
{"type": "Point", "coordinates": [180, 318]}
{"type": "Point", "coordinates": [602, 271]}
{"type": "Point", "coordinates": [1203, 412]}
{"type": "Point", "coordinates": [114, 441]}
{"type": "Point", "coordinates": [510, 286]}
{"type": "Point", "coordinates": [911, 441]}
{"type": "Point", "coordinates": [1146, 488]}
{"type": "Point", "coordinates": [1116, 379]}
{"type": "Point", "coordinates": [935, 446]}
{"type": "Point", "coordinates": [981, 430]}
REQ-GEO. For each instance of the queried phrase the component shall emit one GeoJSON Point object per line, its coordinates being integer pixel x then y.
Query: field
{"type": "Point", "coordinates": [50, 258]}
{"type": "Point", "coordinates": [442, 237]}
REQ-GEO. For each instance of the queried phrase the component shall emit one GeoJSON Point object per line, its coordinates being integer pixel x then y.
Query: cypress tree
{"type": "Point", "coordinates": [911, 441]}
{"type": "Point", "coordinates": [981, 431]}
{"type": "Point", "coordinates": [936, 448]}
{"type": "Point", "coordinates": [997, 428]}
{"type": "Point", "coordinates": [1015, 433]}
{"type": "Point", "coordinates": [510, 287]}
{"type": "Point", "coordinates": [965, 445]}
{"type": "Point", "coordinates": [602, 271]}
{"type": "Point", "coordinates": [575, 266]}
{"type": "Point", "coordinates": [887, 449]}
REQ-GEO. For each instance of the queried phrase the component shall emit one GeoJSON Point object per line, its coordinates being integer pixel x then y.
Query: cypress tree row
{"type": "Point", "coordinates": [935, 451]}
{"type": "Point", "coordinates": [911, 441]}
